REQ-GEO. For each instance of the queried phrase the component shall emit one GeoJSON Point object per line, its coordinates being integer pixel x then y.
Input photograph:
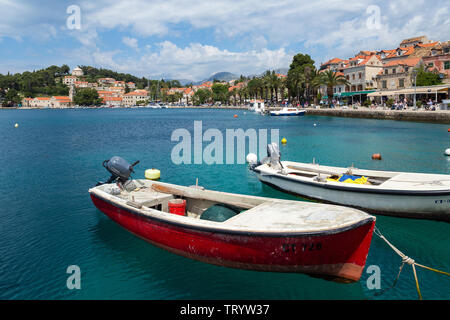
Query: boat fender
{"type": "Point", "coordinates": [252, 158]}
{"type": "Point", "coordinates": [152, 174]}
{"type": "Point", "coordinates": [376, 156]}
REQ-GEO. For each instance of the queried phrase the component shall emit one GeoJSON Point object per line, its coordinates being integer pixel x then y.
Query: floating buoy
{"type": "Point", "coordinates": [283, 141]}
{"type": "Point", "coordinates": [252, 158]}
{"type": "Point", "coordinates": [152, 174]}
{"type": "Point", "coordinates": [16, 125]}
{"type": "Point", "coordinates": [448, 130]}
{"type": "Point", "coordinates": [235, 115]}
{"type": "Point", "coordinates": [315, 125]}
{"type": "Point", "coordinates": [376, 156]}
{"type": "Point", "coordinates": [447, 152]}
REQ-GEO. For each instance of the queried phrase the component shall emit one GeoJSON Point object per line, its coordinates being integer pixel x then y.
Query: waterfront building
{"type": "Point", "coordinates": [60, 102]}
{"type": "Point", "coordinates": [361, 72]}
{"type": "Point", "coordinates": [439, 60]}
{"type": "Point", "coordinates": [112, 101]}
{"type": "Point", "coordinates": [397, 74]}
{"type": "Point", "coordinates": [131, 98]}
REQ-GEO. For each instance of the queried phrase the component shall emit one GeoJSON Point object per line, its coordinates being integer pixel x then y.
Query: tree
{"type": "Point", "coordinates": [331, 79]}
{"type": "Point", "coordinates": [426, 78]}
{"type": "Point", "coordinates": [87, 97]}
{"type": "Point", "coordinates": [220, 92]}
{"type": "Point", "coordinates": [202, 96]}
{"type": "Point", "coordinates": [298, 77]}
{"type": "Point", "coordinates": [11, 98]}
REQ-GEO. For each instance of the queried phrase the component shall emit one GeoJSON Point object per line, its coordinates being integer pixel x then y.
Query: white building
{"type": "Point", "coordinates": [131, 98]}
{"type": "Point", "coordinates": [77, 72]}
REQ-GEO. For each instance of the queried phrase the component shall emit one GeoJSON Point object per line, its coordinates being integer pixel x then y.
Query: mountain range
{"type": "Point", "coordinates": [226, 76]}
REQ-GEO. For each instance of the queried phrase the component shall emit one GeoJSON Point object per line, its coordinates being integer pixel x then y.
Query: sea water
{"type": "Point", "coordinates": [48, 222]}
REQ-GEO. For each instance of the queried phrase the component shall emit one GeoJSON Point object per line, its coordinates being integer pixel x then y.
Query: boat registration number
{"type": "Point", "coordinates": [292, 247]}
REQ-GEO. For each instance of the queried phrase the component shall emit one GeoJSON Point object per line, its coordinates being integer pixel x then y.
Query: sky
{"type": "Point", "coordinates": [181, 39]}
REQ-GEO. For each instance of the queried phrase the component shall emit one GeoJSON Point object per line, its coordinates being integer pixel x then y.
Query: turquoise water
{"type": "Point", "coordinates": [47, 220]}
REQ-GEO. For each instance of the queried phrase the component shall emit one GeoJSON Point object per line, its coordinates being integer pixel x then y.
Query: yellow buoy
{"type": "Point", "coordinates": [284, 141]}
{"type": "Point", "coordinates": [16, 125]}
{"type": "Point", "coordinates": [152, 174]}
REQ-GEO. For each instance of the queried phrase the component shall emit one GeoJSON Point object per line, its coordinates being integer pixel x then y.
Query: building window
{"type": "Point", "coordinates": [394, 71]}
{"type": "Point", "coordinates": [406, 69]}
{"type": "Point", "coordinates": [386, 71]}
{"type": "Point", "coordinates": [401, 83]}
{"type": "Point", "coordinates": [447, 65]}
{"type": "Point", "coordinates": [384, 84]}
{"type": "Point", "coordinates": [360, 75]}
{"type": "Point", "coordinates": [353, 76]}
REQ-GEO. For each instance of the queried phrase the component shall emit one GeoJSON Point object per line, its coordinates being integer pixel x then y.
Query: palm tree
{"type": "Point", "coordinates": [332, 79]}
{"type": "Point", "coordinates": [296, 78]}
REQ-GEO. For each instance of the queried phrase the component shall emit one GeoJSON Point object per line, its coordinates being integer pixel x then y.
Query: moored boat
{"type": "Point", "coordinates": [413, 195]}
{"type": "Point", "coordinates": [241, 231]}
{"type": "Point", "coordinates": [286, 111]}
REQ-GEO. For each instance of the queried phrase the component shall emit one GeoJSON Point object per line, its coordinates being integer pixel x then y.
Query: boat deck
{"type": "Point", "coordinates": [296, 216]}
{"type": "Point", "coordinates": [257, 214]}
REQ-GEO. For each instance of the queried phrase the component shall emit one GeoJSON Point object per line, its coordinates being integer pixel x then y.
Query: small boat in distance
{"type": "Point", "coordinates": [238, 231]}
{"type": "Point", "coordinates": [288, 111]}
{"type": "Point", "coordinates": [403, 194]}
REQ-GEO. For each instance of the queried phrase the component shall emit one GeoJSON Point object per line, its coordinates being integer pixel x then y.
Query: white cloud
{"type": "Point", "coordinates": [131, 42]}
{"type": "Point", "coordinates": [243, 34]}
{"type": "Point", "coordinates": [195, 61]}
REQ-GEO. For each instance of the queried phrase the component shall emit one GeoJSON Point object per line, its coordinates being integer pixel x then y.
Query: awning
{"type": "Point", "coordinates": [349, 94]}
{"type": "Point", "coordinates": [355, 93]}
{"type": "Point", "coordinates": [411, 91]}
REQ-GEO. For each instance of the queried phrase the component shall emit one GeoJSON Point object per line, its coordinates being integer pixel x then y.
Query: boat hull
{"type": "Point", "coordinates": [431, 206]}
{"type": "Point", "coordinates": [338, 255]}
{"type": "Point", "coordinates": [287, 114]}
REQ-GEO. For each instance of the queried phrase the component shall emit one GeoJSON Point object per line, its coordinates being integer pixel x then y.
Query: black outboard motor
{"type": "Point", "coordinates": [119, 168]}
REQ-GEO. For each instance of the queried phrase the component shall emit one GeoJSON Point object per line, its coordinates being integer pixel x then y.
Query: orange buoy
{"type": "Point", "coordinates": [376, 156]}
{"type": "Point", "coordinates": [235, 115]}
{"type": "Point", "coordinates": [448, 130]}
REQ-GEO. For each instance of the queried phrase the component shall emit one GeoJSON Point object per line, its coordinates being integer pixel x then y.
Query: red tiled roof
{"type": "Point", "coordinates": [428, 45]}
{"type": "Point", "coordinates": [333, 61]}
{"type": "Point", "coordinates": [411, 62]}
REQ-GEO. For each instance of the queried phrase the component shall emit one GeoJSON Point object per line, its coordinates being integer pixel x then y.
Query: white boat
{"type": "Point", "coordinates": [403, 194]}
{"type": "Point", "coordinates": [286, 111]}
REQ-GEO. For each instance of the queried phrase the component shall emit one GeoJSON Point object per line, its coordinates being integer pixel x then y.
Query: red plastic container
{"type": "Point", "coordinates": [177, 206]}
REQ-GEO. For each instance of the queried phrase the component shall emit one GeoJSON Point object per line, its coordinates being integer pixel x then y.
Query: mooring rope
{"type": "Point", "coordinates": [407, 260]}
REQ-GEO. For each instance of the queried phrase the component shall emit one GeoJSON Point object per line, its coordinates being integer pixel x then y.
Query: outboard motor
{"type": "Point", "coordinates": [273, 156]}
{"type": "Point", "coordinates": [119, 168]}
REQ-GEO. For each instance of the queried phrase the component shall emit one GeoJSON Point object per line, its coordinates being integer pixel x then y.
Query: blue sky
{"type": "Point", "coordinates": [194, 39]}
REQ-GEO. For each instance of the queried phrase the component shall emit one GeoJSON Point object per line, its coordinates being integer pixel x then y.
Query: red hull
{"type": "Point", "coordinates": [341, 255]}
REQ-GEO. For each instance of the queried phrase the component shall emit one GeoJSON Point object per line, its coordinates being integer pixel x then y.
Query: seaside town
{"type": "Point", "coordinates": [416, 74]}
{"type": "Point", "coordinates": [250, 151]}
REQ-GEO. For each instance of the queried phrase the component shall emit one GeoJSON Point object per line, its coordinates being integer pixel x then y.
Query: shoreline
{"type": "Point", "coordinates": [438, 116]}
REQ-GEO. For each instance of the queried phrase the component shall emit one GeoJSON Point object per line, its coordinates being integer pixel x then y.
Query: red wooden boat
{"type": "Point", "coordinates": [260, 233]}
